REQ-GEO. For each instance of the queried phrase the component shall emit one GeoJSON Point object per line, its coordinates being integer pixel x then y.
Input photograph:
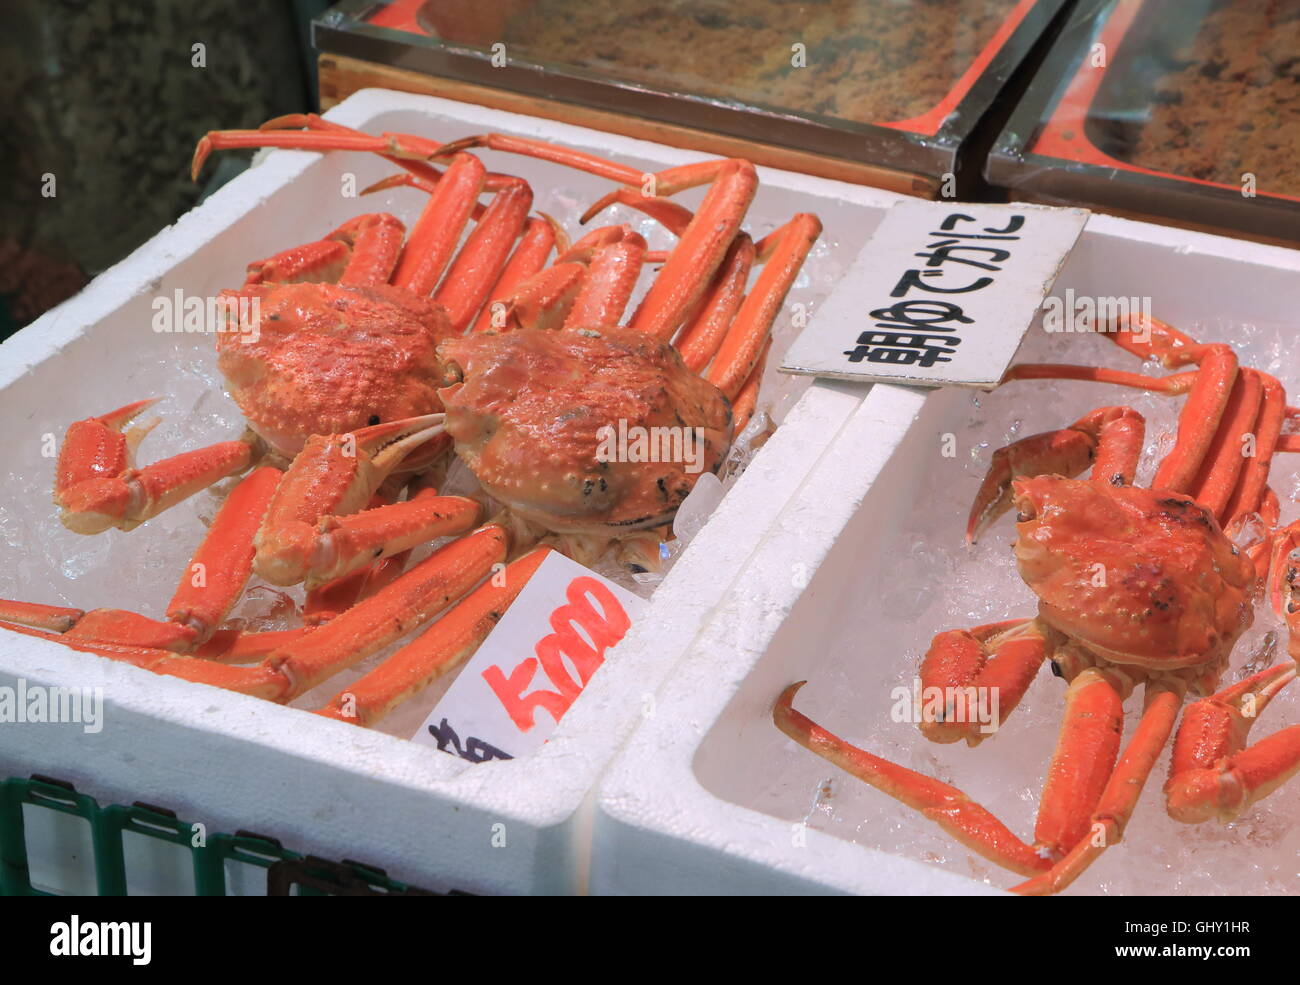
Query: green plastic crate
{"type": "Point", "coordinates": [287, 873]}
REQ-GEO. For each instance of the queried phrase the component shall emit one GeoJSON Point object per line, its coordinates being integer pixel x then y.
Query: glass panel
{"type": "Point", "coordinates": [866, 61]}
{"type": "Point", "coordinates": [1213, 97]}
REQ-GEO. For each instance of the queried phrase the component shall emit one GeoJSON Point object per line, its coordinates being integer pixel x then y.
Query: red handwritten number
{"type": "Point", "coordinates": [604, 631]}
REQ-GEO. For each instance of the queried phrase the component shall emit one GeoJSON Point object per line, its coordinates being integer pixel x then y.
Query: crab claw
{"type": "Point", "coordinates": [1212, 772]}
{"type": "Point", "coordinates": [96, 486]}
{"type": "Point", "coordinates": [1067, 452]}
{"type": "Point", "coordinates": [97, 448]}
{"type": "Point", "coordinates": [1108, 438]}
{"type": "Point", "coordinates": [333, 476]}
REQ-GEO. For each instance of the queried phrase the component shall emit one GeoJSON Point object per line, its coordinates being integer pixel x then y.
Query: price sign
{"type": "Point", "coordinates": [536, 661]}
{"type": "Point", "coordinates": [943, 294]}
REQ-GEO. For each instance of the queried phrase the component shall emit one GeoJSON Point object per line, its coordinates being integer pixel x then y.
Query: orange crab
{"type": "Point", "coordinates": [359, 377]}
{"type": "Point", "coordinates": [531, 446]}
{"type": "Point", "coordinates": [1135, 586]}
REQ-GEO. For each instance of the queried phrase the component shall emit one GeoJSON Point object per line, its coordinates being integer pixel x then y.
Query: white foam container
{"type": "Point", "coordinates": [709, 797]}
{"type": "Point", "coordinates": [234, 762]}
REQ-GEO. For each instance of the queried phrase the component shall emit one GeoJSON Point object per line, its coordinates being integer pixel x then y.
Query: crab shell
{"type": "Point", "coordinates": [1136, 576]}
{"type": "Point", "coordinates": [322, 358]}
{"type": "Point", "coordinates": [536, 413]}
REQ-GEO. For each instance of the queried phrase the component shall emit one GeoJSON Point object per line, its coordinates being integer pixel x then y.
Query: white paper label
{"type": "Point", "coordinates": [533, 665]}
{"type": "Point", "coordinates": [942, 294]}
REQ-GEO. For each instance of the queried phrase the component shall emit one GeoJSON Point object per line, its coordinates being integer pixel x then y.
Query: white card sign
{"type": "Point", "coordinates": [533, 665]}
{"type": "Point", "coordinates": [942, 295]}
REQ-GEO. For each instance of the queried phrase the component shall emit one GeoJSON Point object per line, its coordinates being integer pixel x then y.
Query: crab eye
{"type": "Point", "coordinates": [1025, 514]}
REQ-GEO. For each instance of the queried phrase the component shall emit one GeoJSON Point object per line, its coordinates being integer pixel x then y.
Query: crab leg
{"type": "Point", "coordinates": [1083, 762]}
{"type": "Point", "coordinates": [545, 299]}
{"type": "Point", "coordinates": [96, 487]}
{"type": "Point", "coordinates": [326, 601]}
{"type": "Point", "coordinates": [437, 232]}
{"type": "Point", "coordinates": [260, 681]}
{"type": "Point", "coordinates": [304, 659]}
{"type": "Point", "coordinates": [567, 156]}
{"type": "Point", "coordinates": [443, 647]}
{"type": "Point", "coordinates": [742, 408]}
{"type": "Point", "coordinates": [1155, 339]}
{"type": "Point", "coordinates": [1213, 772]}
{"type": "Point", "coordinates": [414, 166]}
{"type": "Point", "coordinates": [411, 600]}
{"type": "Point", "coordinates": [1208, 391]}
{"type": "Point", "coordinates": [1173, 385]}
{"type": "Point", "coordinates": [407, 180]}
{"type": "Point", "coordinates": [672, 216]}
{"type": "Point", "coordinates": [699, 341]}
{"type": "Point", "coordinates": [322, 260]}
{"type": "Point", "coordinates": [108, 626]}
{"type": "Point", "coordinates": [212, 583]}
{"type": "Point", "coordinates": [362, 251]}
{"type": "Point", "coordinates": [97, 448]}
{"type": "Point", "coordinates": [968, 822]}
{"type": "Point", "coordinates": [375, 244]}
{"type": "Point", "coordinates": [1003, 658]}
{"type": "Point", "coordinates": [1206, 402]}
{"type": "Point", "coordinates": [702, 243]}
{"type": "Point", "coordinates": [219, 569]}
{"type": "Point", "coordinates": [407, 151]}
{"type": "Point", "coordinates": [700, 250]}
{"type": "Point", "coordinates": [1224, 459]}
{"type": "Point", "coordinates": [349, 542]}
{"type": "Point", "coordinates": [1249, 494]}
{"type": "Point", "coordinates": [1120, 796]}
{"type": "Point", "coordinates": [610, 279]}
{"type": "Point", "coordinates": [51, 618]}
{"type": "Point", "coordinates": [788, 247]}
{"type": "Point", "coordinates": [529, 257]}
{"type": "Point", "coordinates": [395, 147]}
{"type": "Point", "coordinates": [482, 259]}
{"type": "Point", "coordinates": [234, 647]}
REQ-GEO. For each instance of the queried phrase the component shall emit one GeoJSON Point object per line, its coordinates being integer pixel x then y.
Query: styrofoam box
{"type": "Point", "coordinates": [233, 762]}
{"type": "Point", "coordinates": [865, 563]}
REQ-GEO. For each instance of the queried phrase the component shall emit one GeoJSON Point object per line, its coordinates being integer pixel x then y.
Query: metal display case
{"type": "Point", "coordinates": [898, 90]}
{"type": "Point", "coordinates": [1186, 113]}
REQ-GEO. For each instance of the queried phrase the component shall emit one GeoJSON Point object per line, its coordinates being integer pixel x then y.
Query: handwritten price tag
{"type": "Point", "coordinates": [942, 295]}
{"type": "Point", "coordinates": [533, 665]}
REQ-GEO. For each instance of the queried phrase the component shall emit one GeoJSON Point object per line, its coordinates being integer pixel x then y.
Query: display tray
{"type": "Point", "coordinates": [866, 563]}
{"type": "Point", "coordinates": [319, 786]}
{"type": "Point", "coordinates": [899, 86]}
{"type": "Point", "coordinates": [1190, 116]}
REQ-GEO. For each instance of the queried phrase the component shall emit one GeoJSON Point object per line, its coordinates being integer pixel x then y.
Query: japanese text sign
{"type": "Point", "coordinates": [513, 691]}
{"type": "Point", "coordinates": [942, 295]}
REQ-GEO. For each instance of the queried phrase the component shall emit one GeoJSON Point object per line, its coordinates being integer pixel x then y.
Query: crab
{"type": "Point", "coordinates": [1135, 586]}
{"type": "Point", "coordinates": [356, 377]}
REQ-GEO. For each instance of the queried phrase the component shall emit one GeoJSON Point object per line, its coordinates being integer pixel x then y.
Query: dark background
{"type": "Point", "coordinates": [105, 96]}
